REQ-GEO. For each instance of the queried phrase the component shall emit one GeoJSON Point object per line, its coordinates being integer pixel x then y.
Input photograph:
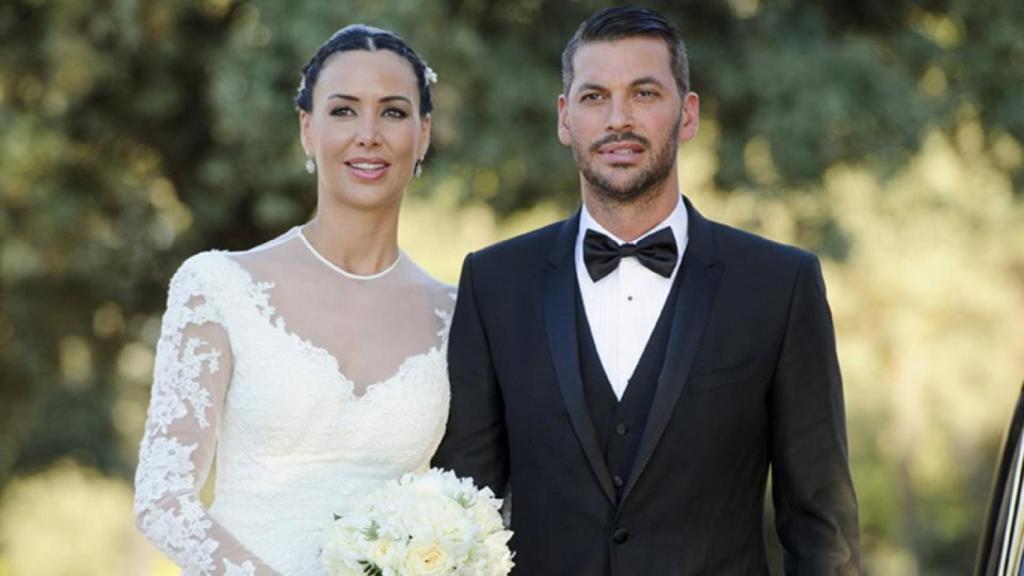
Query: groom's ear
{"type": "Point", "coordinates": [563, 120]}
{"type": "Point", "coordinates": [691, 117]}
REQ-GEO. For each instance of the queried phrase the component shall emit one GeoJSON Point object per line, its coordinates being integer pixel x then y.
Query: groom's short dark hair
{"type": "Point", "coordinates": [626, 22]}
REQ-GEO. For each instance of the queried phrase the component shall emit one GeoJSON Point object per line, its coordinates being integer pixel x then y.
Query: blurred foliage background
{"type": "Point", "coordinates": [886, 135]}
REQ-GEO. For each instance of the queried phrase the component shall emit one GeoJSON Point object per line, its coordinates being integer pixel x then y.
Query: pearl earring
{"type": "Point", "coordinates": [310, 165]}
{"type": "Point", "coordinates": [418, 168]}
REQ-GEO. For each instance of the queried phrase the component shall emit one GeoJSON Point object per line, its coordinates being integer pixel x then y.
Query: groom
{"type": "Point", "coordinates": [635, 372]}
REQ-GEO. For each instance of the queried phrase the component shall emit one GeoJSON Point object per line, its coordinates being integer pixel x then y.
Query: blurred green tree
{"type": "Point", "coordinates": [137, 132]}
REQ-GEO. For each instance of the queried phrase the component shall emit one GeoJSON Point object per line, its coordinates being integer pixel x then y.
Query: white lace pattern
{"type": "Point", "coordinates": [292, 439]}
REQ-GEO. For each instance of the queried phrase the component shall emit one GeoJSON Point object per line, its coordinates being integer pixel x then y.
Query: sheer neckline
{"type": "Point", "coordinates": [352, 275]}
{"type": "Point", "coordinates": [351, 390]}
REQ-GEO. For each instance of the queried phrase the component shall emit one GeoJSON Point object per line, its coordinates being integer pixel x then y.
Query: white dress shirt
{"type": "Point", "coordinates": [623, 307]}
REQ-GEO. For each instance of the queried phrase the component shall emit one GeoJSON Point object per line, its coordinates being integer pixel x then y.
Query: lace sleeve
{"type": "Point", "coordinates": [193, 368]}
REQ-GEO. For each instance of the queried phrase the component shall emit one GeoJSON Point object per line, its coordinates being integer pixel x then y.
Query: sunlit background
{"type": "Point", "coordinates": [884, 135]}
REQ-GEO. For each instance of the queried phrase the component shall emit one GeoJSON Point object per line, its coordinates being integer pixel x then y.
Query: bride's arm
{"type": "Point", "coordinates": [476, 441]}
{"type": "Point", "coordinates": [192, 372]}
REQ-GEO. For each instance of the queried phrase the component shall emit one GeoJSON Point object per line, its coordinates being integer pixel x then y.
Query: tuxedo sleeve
{"type": "Point", "coordinates": [815, 504]}
{"type": "Point", "coordinates": [475, 442]}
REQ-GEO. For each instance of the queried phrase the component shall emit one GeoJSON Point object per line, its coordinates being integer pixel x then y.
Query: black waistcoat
{"type": "Point", "coordinates": [620, 423]}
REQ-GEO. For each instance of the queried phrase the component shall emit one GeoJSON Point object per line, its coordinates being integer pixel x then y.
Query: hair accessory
{"type": "Point", "coordinates": [429, 75]}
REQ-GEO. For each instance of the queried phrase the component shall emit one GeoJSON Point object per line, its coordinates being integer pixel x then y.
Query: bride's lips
{"type": "Point", "coordinates": [622, 152]}
{"type": "Point", "coordinates": [368, 169]}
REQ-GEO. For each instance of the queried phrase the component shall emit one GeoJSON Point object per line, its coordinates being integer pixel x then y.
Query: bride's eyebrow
{"type": "Point", "coordinates": [397, 97]}
{"type": "Point", "coordinates": [392, 98]}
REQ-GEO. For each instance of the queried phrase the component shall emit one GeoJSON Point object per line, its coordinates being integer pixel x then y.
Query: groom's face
{"type": "Point", "coordinates": [624, 117]}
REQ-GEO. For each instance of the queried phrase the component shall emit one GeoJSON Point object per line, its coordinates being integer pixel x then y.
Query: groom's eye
{"type": "Point", "coordinates": [590, 97]}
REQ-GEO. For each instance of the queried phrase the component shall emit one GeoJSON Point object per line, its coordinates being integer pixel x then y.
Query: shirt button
{"type": "Point", "coordinates": [630, 298]}
{"type": "Point", "coordinates": [617, 480]}
{"type": "Point", "coordinates": [620, 536]}
{"type": "Point", "coordinates": [621, 429]}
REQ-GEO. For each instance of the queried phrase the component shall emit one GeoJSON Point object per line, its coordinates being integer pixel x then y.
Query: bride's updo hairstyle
{"type": "Point", "coordinates": [362, 37]}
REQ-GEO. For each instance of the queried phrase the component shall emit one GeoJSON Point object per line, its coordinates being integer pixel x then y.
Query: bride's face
{"type": "Point", "coordinates": [364, 131]}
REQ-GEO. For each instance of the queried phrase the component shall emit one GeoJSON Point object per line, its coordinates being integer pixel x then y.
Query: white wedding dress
{"type": "Point", "coordinates": [309, 384]}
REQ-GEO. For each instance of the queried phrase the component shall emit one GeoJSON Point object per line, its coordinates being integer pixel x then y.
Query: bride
{"type": "Point", "coordinates": [313, 366]}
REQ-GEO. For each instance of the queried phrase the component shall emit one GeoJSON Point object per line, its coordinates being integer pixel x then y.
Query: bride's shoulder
{"type": "Point", "coordinates": [441, 294]}
{"type": "Point", "coordinates": [271, 258]}
{"type": "Point", "coordinates": [201, 265]}
{"type": "Point", "coordinates": [204, 274]}
{"type": "Point", "coordinates": [223, 264]}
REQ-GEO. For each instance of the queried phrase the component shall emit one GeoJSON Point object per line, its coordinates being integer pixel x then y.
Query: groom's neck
{"type": "Point", "coordinates": [630, 220]}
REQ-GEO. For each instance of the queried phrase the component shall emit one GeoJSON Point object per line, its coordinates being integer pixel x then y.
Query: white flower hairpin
{"type": "Point", "coordinates": [429, 75]}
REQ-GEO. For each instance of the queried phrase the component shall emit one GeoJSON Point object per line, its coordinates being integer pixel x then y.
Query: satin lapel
{"type": "Point", "coordinates": [700, 273]}
{"type": "Point", "coordinates": [560, 317]}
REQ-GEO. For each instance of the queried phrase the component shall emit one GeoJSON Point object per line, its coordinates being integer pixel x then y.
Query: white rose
{"type": "Point", "coordinates": [344, 545]}
{"type": "Point", "coordinates": [431, 481]}
{"type": "Point", "coordinates": [487, 517]}
{"type": "Point", "coordinates": [498, 555]}
{"type": "Point", "coordinates": [427, 558]}
{"type": "Point", "coordinates": [454, 522]}
{"type": "Point", "coordinates": [385, 552]}
{"type": "Point", "coordinates": [340, 562]}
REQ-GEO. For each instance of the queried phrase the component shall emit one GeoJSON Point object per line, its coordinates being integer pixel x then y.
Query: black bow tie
{"type": "Point", "coordinates": [657, 252]}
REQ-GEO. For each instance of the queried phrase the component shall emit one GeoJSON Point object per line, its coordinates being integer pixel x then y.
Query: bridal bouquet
{"type": "Point", "coordinates": [434, 523]}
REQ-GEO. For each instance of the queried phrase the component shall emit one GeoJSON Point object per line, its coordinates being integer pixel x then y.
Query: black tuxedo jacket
{"type": "Point", "coordinates": [750, 383]}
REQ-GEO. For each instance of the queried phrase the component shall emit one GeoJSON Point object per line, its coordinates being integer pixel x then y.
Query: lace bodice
{"type": "Point", "coordinates": [308, 384]}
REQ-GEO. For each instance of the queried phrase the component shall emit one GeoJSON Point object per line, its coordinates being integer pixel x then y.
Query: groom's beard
{"type": "Point", "coordinates": [649, 177]}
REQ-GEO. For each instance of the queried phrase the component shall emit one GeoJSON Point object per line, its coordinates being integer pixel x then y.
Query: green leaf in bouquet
{"type": "Point", "coordinates": [371, 569]}
{"type": "Point", "coordinates": [466, 500]}
{"type": "Point", "coordinates": [372, 532]}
